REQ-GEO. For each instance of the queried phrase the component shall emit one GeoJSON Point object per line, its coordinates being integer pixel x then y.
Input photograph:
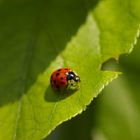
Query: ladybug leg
{"type": "Point", "coordinates": [68, 93]}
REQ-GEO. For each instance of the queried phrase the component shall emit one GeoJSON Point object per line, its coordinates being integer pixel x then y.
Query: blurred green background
{"type": "Point", "coordinates": [115, 114]}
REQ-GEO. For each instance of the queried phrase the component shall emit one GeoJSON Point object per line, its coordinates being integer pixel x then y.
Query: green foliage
{"type": "Point", "coordinates": [38, 37]}
{"type": "Point", "coordinates": [115, 113]}
{"type": "Point", "coordinates": [120, 108]}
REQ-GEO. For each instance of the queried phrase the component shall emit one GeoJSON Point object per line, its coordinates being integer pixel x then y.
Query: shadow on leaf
{"type": "Point", "coordinates": [54, 96]}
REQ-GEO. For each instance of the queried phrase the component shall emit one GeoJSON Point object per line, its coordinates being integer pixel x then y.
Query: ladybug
{"type": "Point", "coordinates": [64, 79]}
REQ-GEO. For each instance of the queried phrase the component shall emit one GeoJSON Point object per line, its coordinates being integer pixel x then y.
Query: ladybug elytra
{"type": "Point", "coordinates": [64, 79]}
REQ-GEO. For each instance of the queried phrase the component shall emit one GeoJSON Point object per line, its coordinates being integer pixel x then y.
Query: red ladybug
{"type": "Point", "coordinates": [64, 79]}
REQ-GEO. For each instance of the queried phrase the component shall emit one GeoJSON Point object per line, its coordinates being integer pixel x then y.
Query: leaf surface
{"type": "Point", "coordinates": [38, 37]}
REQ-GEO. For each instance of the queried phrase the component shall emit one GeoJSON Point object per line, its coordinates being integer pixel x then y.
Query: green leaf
{"type": "Point", "coordinates": [115, 113]}
{"type": "Point", "coordinates": [38, 37]}
{"type": "Point", "coordinates": [119, 112]}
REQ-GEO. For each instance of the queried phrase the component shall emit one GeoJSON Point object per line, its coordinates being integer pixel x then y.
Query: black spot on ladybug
{"type": "Point", "coordinates": [66, 69]}
{"type": "Point", "coordinates": [59, 70]}
{"type": "Point", "coordinates": [57, 74]}
{"type": "Point", "coordinates": [62, 78]}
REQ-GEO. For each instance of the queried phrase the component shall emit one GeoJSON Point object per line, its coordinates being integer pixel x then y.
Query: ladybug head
{"type": "Point", "coordinates": [72, 76]}
{"type": "Point", "coordinates": [73, 80]}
